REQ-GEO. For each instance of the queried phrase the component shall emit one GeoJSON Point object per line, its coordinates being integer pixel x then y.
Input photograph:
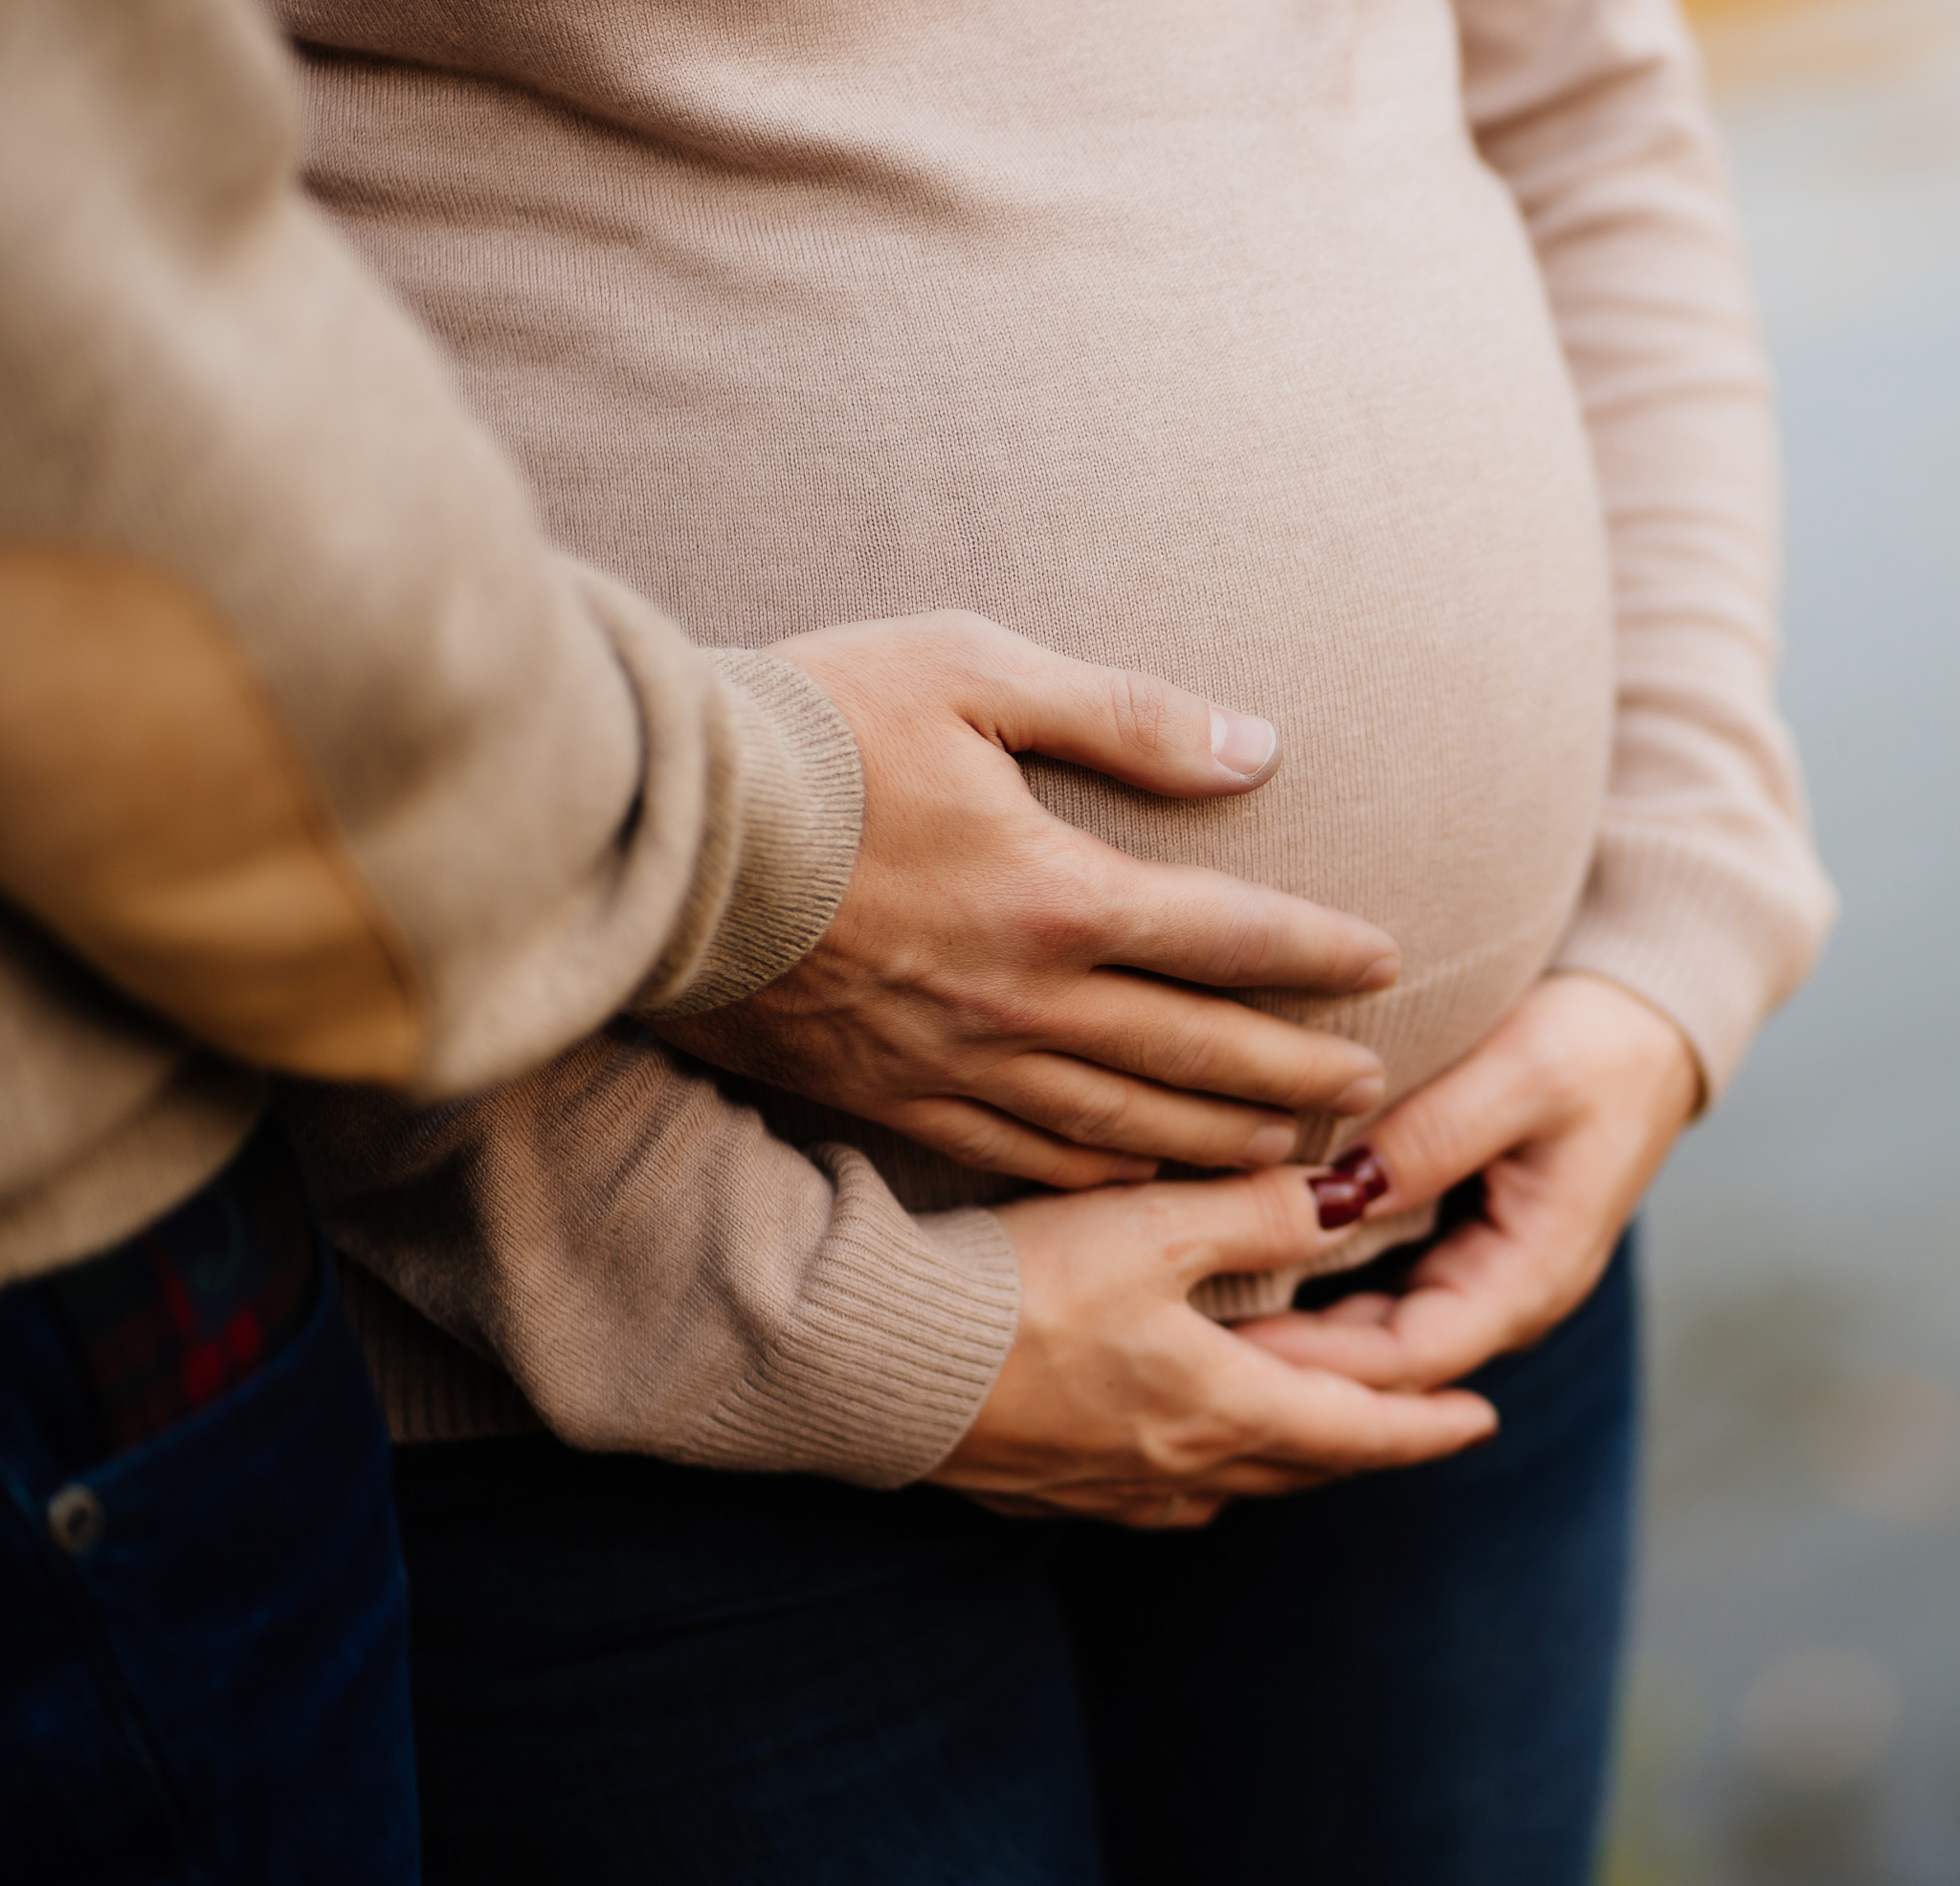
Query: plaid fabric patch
{"type": "Point", "coordinates": [189, 1307]}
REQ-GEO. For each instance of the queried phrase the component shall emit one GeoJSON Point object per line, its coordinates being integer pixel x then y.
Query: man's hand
{"type": "Point", "coordinates": [1119, 1401]}
{"type": "Point", "coordinates": [974, 989]}
{"type": "Point", "coordinates": [1567, 1111]}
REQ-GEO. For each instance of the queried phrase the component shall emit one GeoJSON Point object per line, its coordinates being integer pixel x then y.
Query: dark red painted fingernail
{"type": "Point", "coordinates": [1338, 1199]}
{"type": "Point", "coordinates": [1365, 1168]}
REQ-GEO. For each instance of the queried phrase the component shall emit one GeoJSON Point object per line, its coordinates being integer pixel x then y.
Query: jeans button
{"type": "Point", "coordinates": [75, 1519]}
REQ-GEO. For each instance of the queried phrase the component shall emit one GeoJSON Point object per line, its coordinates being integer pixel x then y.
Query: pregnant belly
{"type": "Point", "coordinates": [1367, 515]}
{"type": "Point", "coordinates": [1314, 455]}
{"type": "Point", "coordinates": [1386, 543]}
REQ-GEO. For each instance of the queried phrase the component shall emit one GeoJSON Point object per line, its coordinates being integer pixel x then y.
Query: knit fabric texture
{"type": "Point", "coordinates": [315, 751]}
{"type": "Point", "coordinates": [1385, 370]}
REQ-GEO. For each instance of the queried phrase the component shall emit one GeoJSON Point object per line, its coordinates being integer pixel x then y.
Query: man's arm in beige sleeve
{"type": "Point", "coordinates": [1705, 895]}
{"type": "Point", "coordinates": [320, 747]}
{"type": "Point", "coordinates": [655, 1272]}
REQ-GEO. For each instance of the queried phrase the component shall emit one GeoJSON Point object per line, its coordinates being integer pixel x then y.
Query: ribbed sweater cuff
{"type": "Point", "coordinates": [801, 810]}
{"type": "Point", "coordinates": [903, 1326]}
{"type": "Point", "coordinates": [1699, 933]}
{"type": "Point", "coordinates": [898, 1334]}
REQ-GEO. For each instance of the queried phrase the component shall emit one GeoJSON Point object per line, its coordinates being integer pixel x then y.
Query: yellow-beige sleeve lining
{"type": "Point", "coordinates": [155, 815]}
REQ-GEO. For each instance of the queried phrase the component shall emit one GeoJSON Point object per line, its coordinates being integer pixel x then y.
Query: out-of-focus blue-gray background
{"type": "Point", "coordinates": [1796, 1708]}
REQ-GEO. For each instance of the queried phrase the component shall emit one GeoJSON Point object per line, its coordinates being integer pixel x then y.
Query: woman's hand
{"type": "Point", "coordinates": [971, 989]}
{"type": "Point", "coordinates": [1119, 1401]}
{"type": "Point", "coordinates": [1568, 1110]}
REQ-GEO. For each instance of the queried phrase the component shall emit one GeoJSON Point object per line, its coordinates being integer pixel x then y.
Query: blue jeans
{"type": "Point", "coordinates": [202, 1636]}
{"type": "Point", "coordinates": [629, 1672]}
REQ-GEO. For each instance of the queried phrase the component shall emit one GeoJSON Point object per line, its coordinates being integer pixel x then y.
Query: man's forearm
{"type": "Point", "coordinates": [658, 1275]}
{"type": "Point", "coordinates": [300, 607]}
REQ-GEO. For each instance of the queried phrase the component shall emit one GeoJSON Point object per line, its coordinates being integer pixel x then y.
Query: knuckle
{"type": "Point", "coordinates": [1140, 704]}
{"type": "Point", "coordinates": [1284, 1217]}
{"type": "Point", "coordinates": [1173, 1452]}
{"type": "Point", "coordinates": [1055, 930]}
{"type": "Point", "coordinates": [1193, 1444]}
{"type": "Point", "coordinates": [1160, 1459]}
{"type": "Point", "coordinates": [1243, 935]}
{"type": "Point", "coordinates": [973, 1138]}
{"type": "Point", "coordinates": [1096, 1113]}
{"type": "Point", "coordinates": [970, 649]}
{"type": "Point", "coordinates": [1551, 1061]}
{"type": "Point", "coordinates": [1168, 1437]}
{"type": "Point", "coordinates": [1063, 893]}
{"type": "Point", "coordinates": [998, 1014]}
{"type": "Point", "coordinates": [1190, 1052]}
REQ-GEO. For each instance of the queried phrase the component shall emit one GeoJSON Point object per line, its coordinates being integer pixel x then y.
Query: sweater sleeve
{"type": "Point", "coordinates": [655, 1272]}
{"type": "Point", "coordinates": [321, 750]}
{"type": "Point", "coordinates": [1705, 896]}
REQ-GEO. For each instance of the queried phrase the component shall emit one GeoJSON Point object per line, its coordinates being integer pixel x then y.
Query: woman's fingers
{"type": "Point", "coordinates": [1457, 1125]}
{"type": "Point", "coordinates": [1331, 1423]}
{"type": "Point", "coordinates": [1552, 1210]}
{"type": "Point", "coordinates": [1567, 1111]}
{"type": "Point", "coordinates": [1259, 1221]}
{"type": "Point", "coordinates": [1162, 1239]}
{"type": "Point", "coordinates": [1576, 1049]}
{"type": "Point", "coordinates": [1531, 1078]}
{"type": "Point", "coordinates": [1344, 1432]}
{"type": "Point", "coordinates": [1469, 1302]}
{"type": "Point", "coordinates": [1116, 1387]}
{"type": "Point", "coordinates": [1114, 1382]}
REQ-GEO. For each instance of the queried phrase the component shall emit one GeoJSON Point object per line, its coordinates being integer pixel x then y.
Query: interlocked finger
{"type": "Point", "coordinates": [1477, 1295]}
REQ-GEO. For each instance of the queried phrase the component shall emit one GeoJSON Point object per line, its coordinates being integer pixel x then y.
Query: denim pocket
{"type": "Point", "coordinates": [231, 1597]}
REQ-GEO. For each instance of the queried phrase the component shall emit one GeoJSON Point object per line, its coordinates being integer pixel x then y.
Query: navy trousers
{"type": "Point", "coordinates": [203, 1637]}
{"type": "Point", "coordinates": [631, 1672]}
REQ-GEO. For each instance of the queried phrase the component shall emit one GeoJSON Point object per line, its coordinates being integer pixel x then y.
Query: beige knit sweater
{"type": "Point", "coordinates": [1386, 370]}
{"type": "Point", "coordinates": [315, 753]}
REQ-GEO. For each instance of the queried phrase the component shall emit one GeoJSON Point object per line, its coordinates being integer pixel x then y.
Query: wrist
{"type": "Point", "coordinates": [1648, 1037]}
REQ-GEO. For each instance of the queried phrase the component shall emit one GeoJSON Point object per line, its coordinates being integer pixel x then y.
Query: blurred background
{"type": "Point", "coordinates": [1796, 1708]}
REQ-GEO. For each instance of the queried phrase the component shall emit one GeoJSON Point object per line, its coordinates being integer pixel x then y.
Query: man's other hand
{"type": "Point", "coordinates": [979, 987]}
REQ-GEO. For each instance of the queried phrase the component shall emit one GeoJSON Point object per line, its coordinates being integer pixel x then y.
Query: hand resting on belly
{"type": "Point", "coordinates": [1567, 1111]}
{"type": "Point", "coordinates": [975, 989]}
